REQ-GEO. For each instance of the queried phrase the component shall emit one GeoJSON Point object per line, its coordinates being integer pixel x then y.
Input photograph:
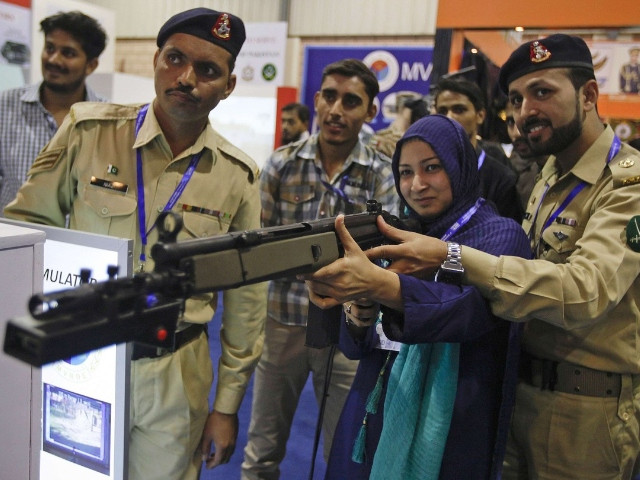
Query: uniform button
{"type": "Point", "coordinates": [104, 210]}
{"type": "Point", "coordinates": [625, 416]}
{"type": "Point", "coordinates": [159, 209]}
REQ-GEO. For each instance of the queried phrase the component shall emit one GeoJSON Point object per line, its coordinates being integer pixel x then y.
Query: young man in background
{"type": "Point", "coordinates": [30, 115]}
{"type": "Point", "coordinates": [331, 172]}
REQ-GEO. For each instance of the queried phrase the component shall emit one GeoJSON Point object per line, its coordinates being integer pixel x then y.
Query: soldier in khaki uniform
{"type": "Point", "coordinates": [577, 407]}
{"type": "Point", "coordinates": [630, 73]}
{"type": "Point", "coordinates": [90, 170]}
{"type": "Point", "coordinates": [409, 110]}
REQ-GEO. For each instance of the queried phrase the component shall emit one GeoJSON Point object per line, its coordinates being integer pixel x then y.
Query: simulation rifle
{"type": "Point", "coordinates": [146, 307]}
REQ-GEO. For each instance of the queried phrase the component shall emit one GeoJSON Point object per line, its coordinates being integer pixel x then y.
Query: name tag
{"type": "Point", "coordinates": [385, 343]}
{"type": "Point", "coordinates": [110, 185]}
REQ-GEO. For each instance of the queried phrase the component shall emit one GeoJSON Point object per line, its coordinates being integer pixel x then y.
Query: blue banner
{"type": "Point", "coordinates": [400, 71]}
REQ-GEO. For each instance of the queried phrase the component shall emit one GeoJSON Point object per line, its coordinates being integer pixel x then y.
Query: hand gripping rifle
{"type": "Point", "coordinates": [146, 307]}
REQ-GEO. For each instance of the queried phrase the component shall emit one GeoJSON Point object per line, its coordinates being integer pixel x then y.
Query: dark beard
{"type": "Point", "coordinates": [64, 87]}
{"type": "Point", "coordinates": [287, 139]}
{"type": "Point", "coordinates": [561, 137]}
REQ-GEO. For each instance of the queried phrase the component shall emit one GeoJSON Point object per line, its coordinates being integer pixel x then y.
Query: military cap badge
{"type": "Point", "coordinates": [222, 28]}
{"type": "Point", "coordinates": [538, 52]}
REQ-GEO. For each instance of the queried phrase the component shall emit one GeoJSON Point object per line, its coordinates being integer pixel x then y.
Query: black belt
{"type": "Point", "coordinates": [568, 378]}
{"type": "Point", "coordinates": [181, 338]}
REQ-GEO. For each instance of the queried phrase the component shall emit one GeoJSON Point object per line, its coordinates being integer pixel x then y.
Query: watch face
{"type": "Point", "coordinates": [449, 276]}
{"type": "Point", "coordinates": [453, 267]}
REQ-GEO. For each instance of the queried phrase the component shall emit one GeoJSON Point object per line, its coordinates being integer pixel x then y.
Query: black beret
{"type": "Point", "coordinates": [555, 51]}
{"type": "Point", "coordinates": [219, 28]}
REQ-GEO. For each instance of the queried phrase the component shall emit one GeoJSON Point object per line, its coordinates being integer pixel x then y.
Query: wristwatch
{"type": "Point", "coordinates": [451, 270]}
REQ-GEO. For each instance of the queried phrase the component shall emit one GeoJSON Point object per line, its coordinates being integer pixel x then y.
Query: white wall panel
{"type": "Point", "coordinates": [362, 17]}
{"type": "Point", "coordinates": [143, 18]}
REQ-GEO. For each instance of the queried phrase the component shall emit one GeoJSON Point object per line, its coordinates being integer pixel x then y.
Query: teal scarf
{"type": "Point", "coordinates": [417, 412]}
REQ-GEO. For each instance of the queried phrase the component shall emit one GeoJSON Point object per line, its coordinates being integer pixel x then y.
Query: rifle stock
{"type": "Point", "coordinates": [146, 307]}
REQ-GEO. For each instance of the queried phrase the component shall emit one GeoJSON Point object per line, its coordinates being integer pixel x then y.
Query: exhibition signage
{"type": "Point", "coordinates": [262, 58]}
{"type": "Point", "coordinates": [399, 70]}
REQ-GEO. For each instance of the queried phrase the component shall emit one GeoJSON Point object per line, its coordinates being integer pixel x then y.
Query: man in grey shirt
{"type": "Point", "coordinates": [30, 115]}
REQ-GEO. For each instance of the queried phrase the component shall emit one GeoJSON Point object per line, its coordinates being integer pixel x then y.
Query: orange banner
{"type": "Point", "coordinates": [547, 14]}
{"type": "Point", "coordinates": [21, 3]}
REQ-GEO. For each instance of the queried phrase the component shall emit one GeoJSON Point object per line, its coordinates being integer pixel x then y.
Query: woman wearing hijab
{"type": "Point", "coordinates": [449, 394]}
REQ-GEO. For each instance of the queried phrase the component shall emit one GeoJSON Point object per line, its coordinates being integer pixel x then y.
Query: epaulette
{"type": "Point", "coordinates": [234, 153]}
{"type": "Point", "coordinates": [87, 111]}
{"type": "Point", "coordinates": [625, 167]}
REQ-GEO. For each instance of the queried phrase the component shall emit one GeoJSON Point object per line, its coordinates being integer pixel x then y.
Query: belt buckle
{"type": "Point", "coordinates": [549, 375]}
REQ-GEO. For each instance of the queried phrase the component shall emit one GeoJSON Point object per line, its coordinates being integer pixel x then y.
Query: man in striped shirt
{"type": "Point", "coordinates": [329, 173]}
{"type": "Point", "coordinates": [30, 115]}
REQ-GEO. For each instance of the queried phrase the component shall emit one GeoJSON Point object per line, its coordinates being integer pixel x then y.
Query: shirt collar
{"type": "Point", "coordinates": [150, 129]}
{"type": "Point", "coordinates": [359, 154]}
{"type": "Point", "coordinates": [589, 167]}
{"type": "Point", "coordinates": [32, 94]}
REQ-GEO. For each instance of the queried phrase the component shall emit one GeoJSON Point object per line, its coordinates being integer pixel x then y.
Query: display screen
{"type": "Point", "coordinates": [76, 428]}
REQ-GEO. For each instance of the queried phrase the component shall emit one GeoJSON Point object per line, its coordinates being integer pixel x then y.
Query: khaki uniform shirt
{"type": "Point", "coordinates": [94, 151]}
{"type": "Point", "coordinates": [582, 295]}
{"type": "Point", "coordinates": [385, 140]}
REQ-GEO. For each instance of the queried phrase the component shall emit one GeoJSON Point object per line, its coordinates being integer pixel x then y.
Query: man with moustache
{"type": "Point", "coordinates": [331, 172]}
{"type": "Point", "coordinates": [294, 123]}
{"type": "Point", "coordinates": [463, 101]}
{"type": "Point", "coordinates": [112, 169]}
{"type": "Point", "coordinates": [30, 116]}
{"type": "Point", "coordinates": [526, 163]}
{"type": "Point", "coordinates": [577, 407]}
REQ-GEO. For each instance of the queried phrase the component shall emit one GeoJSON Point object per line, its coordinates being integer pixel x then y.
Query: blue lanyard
{"type": "Point", "coordinates": [142, 222]}
{"type": "Point", "coordinates": [481, 158]}
{"type": "Point", "coordinates": [613, 151]}
{"type": "Point", "coordinates": [462, 220]}
{"type": "Point", "coordinates": [339, 191]}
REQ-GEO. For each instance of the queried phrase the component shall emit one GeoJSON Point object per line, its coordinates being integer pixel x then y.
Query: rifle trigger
{"type": "Point", "coordinates": [316, 251]}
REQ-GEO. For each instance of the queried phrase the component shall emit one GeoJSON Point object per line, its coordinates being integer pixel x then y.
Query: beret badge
{"type": "Point", "coordinates": [539, 53]}
{"type": "Point", "coordinates": [222, 28]}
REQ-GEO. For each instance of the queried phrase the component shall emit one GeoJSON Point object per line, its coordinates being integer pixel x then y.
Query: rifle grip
{"type": "Point", "coordinates": [323, 326]}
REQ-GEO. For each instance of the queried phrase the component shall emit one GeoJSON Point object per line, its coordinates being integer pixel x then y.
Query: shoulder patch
{"type": "Point", "coordinates": [234, 153]}
{"type": "Point", "coordinates": [46, 160]}
{"type": "Point", "coordinates": [633, 233]}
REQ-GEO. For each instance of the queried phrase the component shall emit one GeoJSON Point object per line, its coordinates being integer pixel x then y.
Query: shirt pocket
{"type": "Point", "coordinates": [357, 194]}
{"type": "Point", "coordinates": [198, 225]}
{"type": "Point", "coordinates": [106, 212]}
{"type": "Point", "coordinates": [297, 203]}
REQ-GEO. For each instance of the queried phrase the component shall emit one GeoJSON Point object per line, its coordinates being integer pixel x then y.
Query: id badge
{"type": "Point", "coordinates": [385, 343]}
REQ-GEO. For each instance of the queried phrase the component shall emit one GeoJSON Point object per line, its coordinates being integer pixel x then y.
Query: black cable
{"type": "Point", "coordinates": [325, 394]}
